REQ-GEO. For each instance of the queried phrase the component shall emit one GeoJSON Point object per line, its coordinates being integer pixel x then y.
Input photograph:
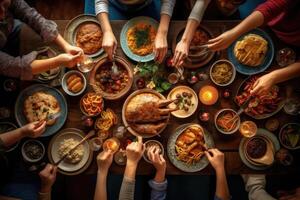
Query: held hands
{"type": "Point", "coordinates": [109, 44]}
{"type": "Point", "coordinates": [222, 41]}
{"type": "Point", "coordinates": [216, 159]}
{"type": "Point", "coordinates": [34, 129]}
{"type": "Point", "coordinates": [181, 52]}
{"type": "Point", "coordinates": [48, 177]}
{"type": "Point", "coordinates": [158, 162]}
{"type": "Point", "coordinates": [134, 152]}
{"type": "Point", "coordinates": [104, 160]}
{"type": "Point", "coordinates": [160, 47]}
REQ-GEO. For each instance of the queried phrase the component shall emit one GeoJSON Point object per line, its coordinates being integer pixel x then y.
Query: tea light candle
{"type": "Point", "coordinates": [208, 95]}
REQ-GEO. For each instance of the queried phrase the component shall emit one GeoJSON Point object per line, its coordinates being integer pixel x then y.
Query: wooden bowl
{"type": "Point", "coordinates": [119, 61]}
{"type": "Point", "coordinates": [129, 98]}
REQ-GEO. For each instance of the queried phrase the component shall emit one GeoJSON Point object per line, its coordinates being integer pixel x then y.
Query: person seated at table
{"type": "Point", "coordinates": [104, 161]}
{"type": "Point", "coordinates": [282, 16]}
{"type": "Point", "coordinates": [183, 46]}
{"type": "Point", "coordinates": [25, 66]}
{"type": "Point", "coordinates": [109, 43]}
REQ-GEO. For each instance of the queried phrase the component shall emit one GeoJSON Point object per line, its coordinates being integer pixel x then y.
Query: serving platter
{"type": "Point", "coordinates": [247, 70]}
{"type": "Point", "coordinates": [172, 152]}
{"type": "Point", "coordinates": [128, 100]}
{"type": "Point", "coordinates": [194, 62]}
{"type": "Point", "coordinates": [19, 107]}
{"type": "Point", "coordinates": [123, 38]}
{"type": "Point", "coordinates": [263, 116]}
{"type": "Point", "coordinates": [65, 167]}
{"type": "Point", "coordinates": [263, 133]}
{"type": "Point", "coordinates": [6, 127]}
{"type": "Point", "coordinates": [73, 27]}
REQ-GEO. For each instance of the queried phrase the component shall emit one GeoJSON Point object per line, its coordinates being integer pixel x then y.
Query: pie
{"type": "Point", "coordinates": [39, 106]}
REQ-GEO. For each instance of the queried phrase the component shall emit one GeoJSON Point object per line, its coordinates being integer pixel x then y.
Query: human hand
{"type": "Point", "coordinates": [290, 195]}
{"type": "Point", "coordinates": [104, 160]}
{"type": "Point", "coordinates": [263, 84]}
{"type": "Point", "coordinates": [73, 50]}
{"type": "Point", "coordinates": [160, 47]}
{"type": "Point", "coordinates": [134, 151]}
{"type": "Point", "coordinates": [69, 60]}
{"type": "Point", "coordinates": [48, 177]}
{"type": "Point", "coordinates": [181, 52]}
{"type": "Point", "coordinates": [34, 129]}
{"type": "Point", "coordinates": [222, 41]}
{"type": "Point", "coordinates": [109, 44]}
{"type": "Point", "coordinates": [158, 162]}
{"type": "Point", "coordinates": [216, 159]}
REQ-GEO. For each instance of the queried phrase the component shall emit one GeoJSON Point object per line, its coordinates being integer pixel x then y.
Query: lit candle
{"type": "Point", "coordinates": [208, 95]}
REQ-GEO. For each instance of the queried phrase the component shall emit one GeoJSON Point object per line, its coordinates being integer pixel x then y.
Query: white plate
{"type": "Point", "coordinates": [65, 166]}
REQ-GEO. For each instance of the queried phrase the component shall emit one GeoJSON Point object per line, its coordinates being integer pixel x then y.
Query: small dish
{"type": "Point", "coordinates": [149, 144]}
{"type": "Point", "coordinates": [185, 99]}
{"type": "Point", "coordinates": [33, 151]}
{"type": "Point", "coordinates": [289, 136]}
{"type": "Point", "coordinates": [92, 101]}
{"type": "Point", "coordinates": [112, 144]}
{"type": "Point", "coordinates": [223, 112]}
{"type": "Point", "coordinates": [66, 82]}
{"type": "Point", "coordinates": [220, 68]}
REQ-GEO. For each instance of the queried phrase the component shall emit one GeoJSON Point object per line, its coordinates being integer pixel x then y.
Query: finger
{"type": "Point", "coordinates": [159, 54]}
{"type": "Point", "coordinates": [207, 154]}
{"type": "Point", "coordinates": [256, 90]}
{"type": "Point", "coordinates": [140, 139]}
{"type": "Point", "coordinates": [175, 58]}
{"type": "Point", "coordinates": [164, 54]}
{"type": "Point", "coordinates": [40, 128]}
{"type": "Point", "coordinates": [156, 53]}
{"type": "Point", "coordinates": [181, 63]}
{"type": "Point", "coordinates": [214, 40]}
{"type": "Point", "coordinates": [162, 158]}
{"type": "Point", "coordinates": [181, 57]}
{"type": "Point", "coordinates": [109, 52]}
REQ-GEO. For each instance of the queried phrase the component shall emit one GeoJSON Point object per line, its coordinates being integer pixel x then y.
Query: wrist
{"type": "Point", "coordinates": [131, 164]}
{"type": "Point", "coordinates": [45, 189]}
{"type": "Point", "coordinates": [160, 176]}
{"type": "Point", "coordinates": [220, 170]}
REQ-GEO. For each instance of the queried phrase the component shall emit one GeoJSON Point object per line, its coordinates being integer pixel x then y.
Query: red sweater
{"type": "Point", "coordinates": [283, 17]}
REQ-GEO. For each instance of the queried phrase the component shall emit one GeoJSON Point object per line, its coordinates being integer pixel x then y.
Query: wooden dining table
{"type": "Point", "coordinates": [229, 144]}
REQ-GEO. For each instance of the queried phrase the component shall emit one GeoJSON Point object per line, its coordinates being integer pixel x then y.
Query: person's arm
{"type": "Point", "coordinates": [33, 130]}
{"type": "Point", "coordinates": [104, 160]}
{"type": "Point", "coordinates": [182, 48]}
{"type": "Point", "coordinates": [216, 159]}
{"type": "Point", "coordinates": [265, 82]}
{"type": "Point", "coordinates": [109, 42]}
{"type": "Point", "coordinates": [159, 184]}
{"type": "Point", "coordinates": [46, 28]}
{"type": "Point", "coordinates": [48, 177]}
{"type": "Point", "coordinates": [134, 152]}
{"type": "Point", "coordinates": [161, 44]}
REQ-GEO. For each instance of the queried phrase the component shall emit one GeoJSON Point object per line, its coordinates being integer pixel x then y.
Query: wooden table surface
{"type": "Point", "coordinates": [228, 144]}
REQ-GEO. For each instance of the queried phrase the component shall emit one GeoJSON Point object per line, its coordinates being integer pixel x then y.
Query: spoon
{"type": "Point", "coordinates": [114, 70]}
{"type": "Point", "coordinates": [268, 158]}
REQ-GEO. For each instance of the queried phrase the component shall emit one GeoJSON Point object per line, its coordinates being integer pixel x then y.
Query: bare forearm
{"type": "Point", "coordinates": [104, 22]}
{"type": "Point", "coordinates": [190, 30]}
{"type": "Point", "coordinates": [163, 27]}
{"type": "Point", "coordinates": [39, 66]}
{"type": "Point", "coordinates": [130, 170]}
{"type": "Point", "coordinates": [60, 41]}
{"type": "Point", "coordinates": [254, 20]}
{"type": "Point", "coordinates": [286, 73]}
{"type": "Point", "coordinates": [222, 190]}
{"type": "Point", "coordinates": [100, 192]}
{"type": "Point", "coordinates": [12, 137]}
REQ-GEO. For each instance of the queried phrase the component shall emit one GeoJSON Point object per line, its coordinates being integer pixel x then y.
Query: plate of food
{"type": "Point", "coordinates": [222, 72]}
{"type": "Point", "coordinates": [145, 113]}
{"type": "Point", "coordinates": [186, 147]}
{"type": "Point", "coordinates": [227, 121]}
{"type": "Point", "coordinates": [45, 53]}
{"type": "Point", "coordinates": [289, 136]}
{"type": "Point", "coordinates": [137, 38]}
{"type": "Point", "coordinates": [106, 120]}
{"type": "Point", "coordinates": [256, 147]}
{"type": "Point", "coordinates": [85, 32]}
{"type": "Point", "coordinates": [184, 99]}
{"type": "Point", "coordinates": [40, 102]}
{"type": "Point", "coordinates": [77, 161]}
{"type": "Point", "coordinates": [73, 83]}
{"type": "Point", "coordinates": [7, 127]}
{"type": "Point", "coordinates": [91, 104]}
{"type": "Point", "coordinates": [106, 83]}
{"type": "Point", "coordinates": [252, 53]}
{"type": "Point", "coordinates": [260, 106]}
{"type": "Point", "coordinates": [196, 58]}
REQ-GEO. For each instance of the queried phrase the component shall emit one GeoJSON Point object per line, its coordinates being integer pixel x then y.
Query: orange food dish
{"type": "Point", "coordinates": [89, 38]}
{"type": "Point", "coordinates": [140, 38]}
{"type": "Point", "coordinates": [74, 83]}
{"type": "Point", "coordinates": [112, 144]}
{"type": "Point", "coordinates": [92, 104]}
{"type": "Point", "coordinates": [107, 119]}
